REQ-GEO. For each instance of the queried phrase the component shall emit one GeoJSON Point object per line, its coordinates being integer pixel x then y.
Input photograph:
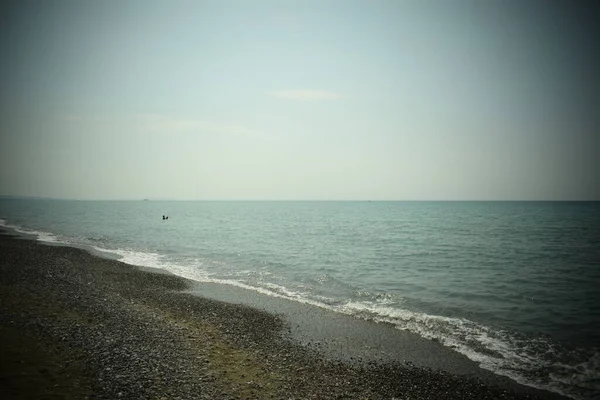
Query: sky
{"type": "Point", "coordinates": [300, 100]}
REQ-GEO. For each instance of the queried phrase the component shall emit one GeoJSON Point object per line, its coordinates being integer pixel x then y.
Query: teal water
{"type": "Point", "coordinates": [515, 286]}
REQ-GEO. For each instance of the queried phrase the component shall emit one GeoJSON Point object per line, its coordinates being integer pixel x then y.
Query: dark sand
{"type": "Point", "coordinates": [73, 326]}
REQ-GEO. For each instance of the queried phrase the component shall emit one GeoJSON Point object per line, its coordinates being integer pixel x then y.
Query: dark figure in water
{"type": "Point", "coordinates": [164, 217]}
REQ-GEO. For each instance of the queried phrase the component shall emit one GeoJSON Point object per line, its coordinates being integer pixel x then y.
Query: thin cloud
{"type": "Point", "coordinates": [162, 123]}
{"type": "Point", "coordinates": [304, 95]}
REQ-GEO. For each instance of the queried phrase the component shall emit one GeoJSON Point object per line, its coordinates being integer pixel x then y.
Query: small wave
{"type": "Point", "coordinates": [137, 258]}
{"type": "Point", "coordinates": [504, 353]}
{"type": "Point", "coordinates": [41, 236]}
{"type": "Point", "coordinates": [529, 361]}
{"type": "Point", "coordinates": [583, 375]}
{"type": "Point", "coordinates": [501, 352]}
{"type": "Point", "coordinates": [195, 271]}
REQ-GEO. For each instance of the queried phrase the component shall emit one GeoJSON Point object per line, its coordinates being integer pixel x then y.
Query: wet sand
{"type": "Point", "coordinates": [73, 325]}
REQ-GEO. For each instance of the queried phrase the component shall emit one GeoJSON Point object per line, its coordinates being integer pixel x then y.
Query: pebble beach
{"type": "Point", "coordinates": [77, 326]}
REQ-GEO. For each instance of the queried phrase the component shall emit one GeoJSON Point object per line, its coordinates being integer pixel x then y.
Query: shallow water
{"type": "Point", "coordinates": [512, 285]}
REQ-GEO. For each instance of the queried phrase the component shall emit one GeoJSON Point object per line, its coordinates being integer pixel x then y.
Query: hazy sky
{"type": "Point", "coordinates": [406, 100]}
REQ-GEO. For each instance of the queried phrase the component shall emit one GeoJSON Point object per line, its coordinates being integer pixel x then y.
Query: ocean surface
{"type": "Point", "coordinates": [514, 286]}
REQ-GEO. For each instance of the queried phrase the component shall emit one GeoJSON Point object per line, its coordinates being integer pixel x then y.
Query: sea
{"type": "Point", "coordinates": [514, 286]}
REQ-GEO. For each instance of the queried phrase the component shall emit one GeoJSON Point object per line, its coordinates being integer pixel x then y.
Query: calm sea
{"type": "Point", "coordinates": [515, 286]}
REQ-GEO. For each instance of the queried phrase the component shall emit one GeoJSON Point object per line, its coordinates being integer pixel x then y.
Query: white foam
{"type": "Point", "coordinates": [495, 350]}
{"type": "Point", "coordinates": [498, 351]}
{"type": "Point", "coordinates": [462, 335]}
{"type": "Point", "coordinates": [457, 333]}
{"type": "Point", "coordinates": [579, 375]}
{"type": "Point", "coordinates": [42, 236]}
{"type": "Point", "coordinates": [137, 258]}
{"type": "Point", "coordinates": [196, 273]}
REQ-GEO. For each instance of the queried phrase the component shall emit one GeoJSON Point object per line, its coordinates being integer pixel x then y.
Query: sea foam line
{"type": "Point", "coordinates": [41, 236]}
{"type": "Point", "coordinates": [456, 333]}
{"type": "Point", "coordinates": [492, 349]}
{"type": "Point", "coordinates": [499, 351]}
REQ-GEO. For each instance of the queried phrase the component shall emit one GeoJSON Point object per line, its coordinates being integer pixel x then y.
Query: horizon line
{"type": "Point", "coordinates": [20, 197]}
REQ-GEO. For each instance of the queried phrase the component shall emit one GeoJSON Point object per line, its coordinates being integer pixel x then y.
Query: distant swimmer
{"type": "Point", "coordinates": [164, 217]}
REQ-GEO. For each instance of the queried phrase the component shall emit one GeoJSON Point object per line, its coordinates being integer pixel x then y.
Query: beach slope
{"type": "Point", "coordinates": [73, 325]}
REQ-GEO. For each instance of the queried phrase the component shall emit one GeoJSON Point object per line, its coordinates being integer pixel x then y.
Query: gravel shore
{"type": "Point", "coordinates": [75, 326]}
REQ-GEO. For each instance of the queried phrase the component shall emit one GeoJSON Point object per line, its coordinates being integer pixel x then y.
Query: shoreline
{"type": "Point", "coordinates": [350, 339]}
{"type": "Point", "coordinates": [105, 329]}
